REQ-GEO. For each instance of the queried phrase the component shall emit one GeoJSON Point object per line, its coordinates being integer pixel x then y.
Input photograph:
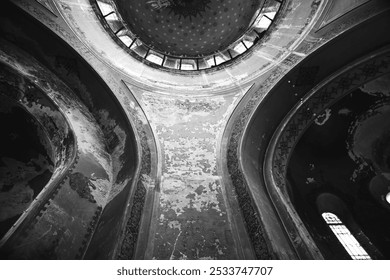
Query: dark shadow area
{"type": "Point", "coordinates": [265, 127]}
{"type": "Point", "coordinates": [26, 163]}
{"type": "Point", "coordinates": [338, 154]}
{"type": "Point", "coordinates": [25, 32]}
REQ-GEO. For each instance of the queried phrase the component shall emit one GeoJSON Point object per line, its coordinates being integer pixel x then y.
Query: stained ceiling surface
{"type": "Point", "coordinates": [188, 27]}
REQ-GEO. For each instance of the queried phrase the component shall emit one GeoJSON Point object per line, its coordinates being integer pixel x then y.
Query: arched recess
{"type": "Point", "coordinates": [314, 109]}
{"type": "Point", "coordinates": [26, 161]}
{"type": "Point", "coordinates": [83, 215]}
{"type": "Point", "coordinates": [286, 234]}
{"type": "Point", "coordinates": [284, 168]}
{"type": "Point", "coordinates": [50, 139]}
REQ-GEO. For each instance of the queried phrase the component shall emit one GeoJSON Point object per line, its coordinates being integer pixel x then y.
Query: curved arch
{"type": "Point", "coordinates": [112, 21]}
{"type": "Point", "coordinates": [292, 240]}
{"type": "Point", "coordinates": [101, 176]}
{"type": "Point", "coordinates": [88, 27]}
{"type": "Point", "coordinates": [302, 116]}
{"type": "Point", "coordinates": [29, 94]}
{"type": "Point", "coordinates": [49, 153]}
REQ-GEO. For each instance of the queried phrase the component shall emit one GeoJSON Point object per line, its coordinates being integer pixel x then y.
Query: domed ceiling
{"type": "Point", "coordinates": [188, 27]}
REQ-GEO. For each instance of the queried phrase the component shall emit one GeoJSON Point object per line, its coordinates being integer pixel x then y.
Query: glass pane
{"type": "Point", "coordinates": [226, 54]}
{"type": "Point", "coordinates": [260, 31]}
{"type": "Point", "coordinates": [139, 48]}
{"type": "Point", "coordinates": [155, 57]}
{"type": "Point", "coordinates": [114, 23]}
{"type": "Point", "coordinates": [210, 61]}
{"type": "Point", "coordinates": [126, 40]}
{"type": "Point", "coordinates": [203, 64]}
{"type": "Point", "coordinates": [234, 53]}
{"type": "Point", "coordinates": [239, 48]}
{"type": "Point", "coordinates": [263, 23]}
{"type": "Point", "coordinates": [105, 8]}
{"type": "Point", "coordinates": [251, 36]}
{"type": "Point", "coordinates": [122, 32]}
{"type": "Point", "coordinates": [171, 62]}
{"type": "Point", "coordinates": [220, 59]}
{"type": "Point", "coordinates": [188, 64]}
{"type": "Point", "coordinates": [351, 245]}
{"type": "Point", "coordinates": [248, 42]}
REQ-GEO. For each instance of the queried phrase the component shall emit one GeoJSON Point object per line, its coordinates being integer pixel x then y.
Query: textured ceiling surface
{"type": "Point", "coordinates": [188, 27]}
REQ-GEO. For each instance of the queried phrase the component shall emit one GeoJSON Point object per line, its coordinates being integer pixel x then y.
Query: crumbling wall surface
{"type": "Point", "coordinates": [60, 222]}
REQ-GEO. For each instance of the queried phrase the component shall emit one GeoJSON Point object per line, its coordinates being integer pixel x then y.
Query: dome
{"type": "Point", "coordinates": [187, 34]}
{"type": "Point", "coordinates": [169, 134]}
{"type": "Point", "coordinates": [188, 27]}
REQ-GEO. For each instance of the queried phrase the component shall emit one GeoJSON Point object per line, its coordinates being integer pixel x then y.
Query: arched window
{"type": "Point", "coordinates": [351, 245]}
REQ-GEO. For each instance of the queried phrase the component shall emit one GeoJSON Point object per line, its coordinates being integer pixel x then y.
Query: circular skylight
{"type": "Point", "coordinates": [187, 34]}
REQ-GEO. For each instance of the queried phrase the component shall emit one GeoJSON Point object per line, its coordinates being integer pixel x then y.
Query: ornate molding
{"type": "Point", "coordinates": [296, 123]}
{"type": "Point", "coordinates": [316, 102]}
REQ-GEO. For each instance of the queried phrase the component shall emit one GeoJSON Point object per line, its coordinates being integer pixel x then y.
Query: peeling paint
{"type": "Point", "coordinates": [193, 222]}
{"type": "Point", "coordinates": [90, 178]}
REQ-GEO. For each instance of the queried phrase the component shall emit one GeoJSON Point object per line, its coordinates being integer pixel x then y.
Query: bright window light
{"type": "Point", "coordinates": [172, 63]}
{"type": "Point", "coordinates": [126, 40]}
{"type": "Point", "coordinates": [188, 64]}
{"type": "Point", "coordinates": [210, 61]}
{"type": "Point", "coordinates": [240, 48]}
{"type": "Point", "coordinates": [264, 22]}
{"type": "Point", "coordinates": [220, 59]}
{"type": "Point", "coordinates": [185, 66]}
{"type": "Point", "coordinates": [248, 43]}
{"type": "Point", "coordinates": [112, 17]}
{"type": "Point", "coordinates": [105, 8]}
{"type": "Point", "coordinates": [351, 245]}
{"type": "Point", "coordinates": [155, 59]}
{"type": "Point", "coordinates": [271, 15]}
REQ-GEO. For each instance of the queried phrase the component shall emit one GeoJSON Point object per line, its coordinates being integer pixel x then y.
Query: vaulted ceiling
{"type": "Point", "coordinates": [188, 27]}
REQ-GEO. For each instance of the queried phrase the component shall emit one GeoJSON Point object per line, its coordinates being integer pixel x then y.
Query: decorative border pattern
{"type": "Point", "coordinates": [126, 250]}
{"type": "Point", "coordinates": [129, 241]}
{"type": "Point", "coordinates": [257, 234]}
{"type": "Point", "coordinates": [90, 230]}
{"type": "Point", "coordinates": [252, 220]}
{"type": "Point", "coordinates": [50, 192]}
{"type": "Point", "coordinates": [315, 103]}
{"type": "Point", "coordinates": [138, 49]}
{"type": "Point", "coordinates": [336, 29]}
{"type": "Point", "coordinates": [131, 230]}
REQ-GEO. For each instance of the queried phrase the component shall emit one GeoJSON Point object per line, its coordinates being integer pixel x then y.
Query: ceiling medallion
{"type": "Point", "coordinates": [182, 8]}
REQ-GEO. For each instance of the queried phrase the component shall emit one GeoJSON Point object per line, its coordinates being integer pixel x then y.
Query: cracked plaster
{"type": "Point", "coordinates": [192, 219]}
